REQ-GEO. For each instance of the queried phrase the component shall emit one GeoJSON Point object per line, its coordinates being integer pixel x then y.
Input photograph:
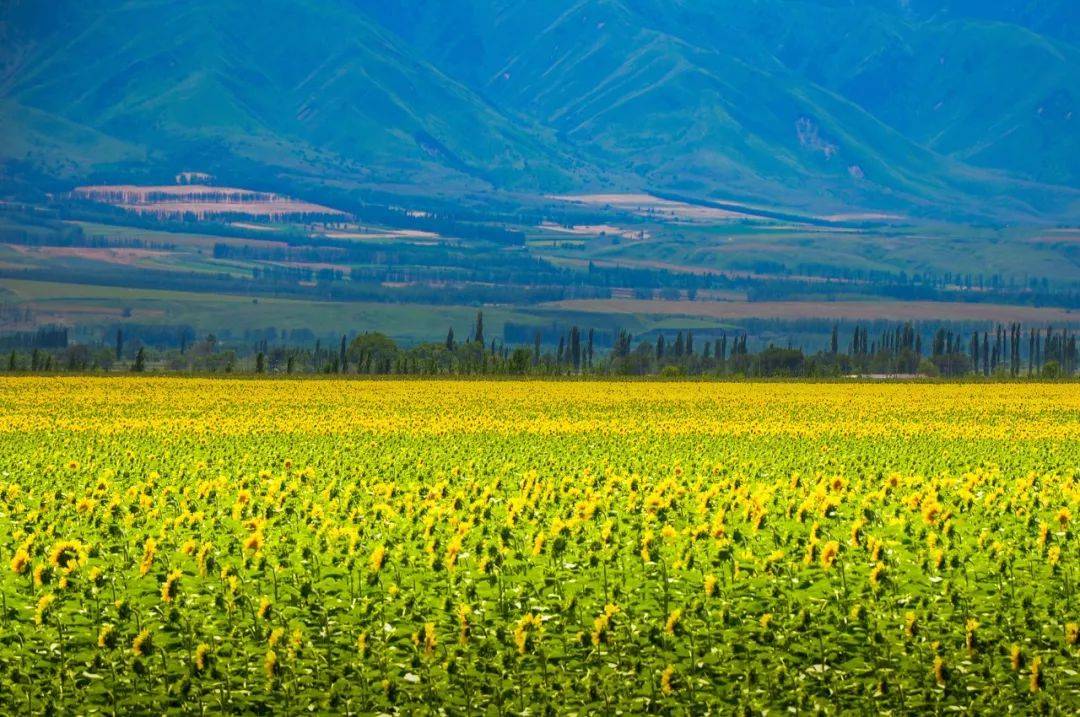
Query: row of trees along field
{"type": "Point", "coordinates": [1011, 351]}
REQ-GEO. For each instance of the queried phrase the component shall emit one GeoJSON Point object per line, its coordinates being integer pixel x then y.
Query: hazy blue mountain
{"type": "Point", "coordinates": [988, 93]}
{"type": "Point", "coordinates": [887, 100]}
{"type": "Point", "coordinates": [312, 87]}
{"type": "Point", "coordinates": [1056, 18]}
{"type": "Point", "coordinates": [925, 106]}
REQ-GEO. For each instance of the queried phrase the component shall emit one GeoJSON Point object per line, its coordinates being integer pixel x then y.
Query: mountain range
{"type": "Point", "coordinates": [956, 109]}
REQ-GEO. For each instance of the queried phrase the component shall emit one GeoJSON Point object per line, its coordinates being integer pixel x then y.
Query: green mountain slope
{"type": "Point", "coordinates": [310, 88]}
{"type": "Point", "coordinates": [945, 109]}
{"type": "Point", "coordinates": [992, 94]}
{"type": "Point", "coordinates": [808, 101]}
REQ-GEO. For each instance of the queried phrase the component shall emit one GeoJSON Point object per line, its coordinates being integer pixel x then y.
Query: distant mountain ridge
{"type": "Point", "coordinates": [926, 106]}
{"type": "Point", "coordinates": [310, 89]}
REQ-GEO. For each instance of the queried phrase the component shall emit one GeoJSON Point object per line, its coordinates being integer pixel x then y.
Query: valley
{"type": "Point", "coordinates": [187, 260]}
{"type": "Point", "coordinates": [628, 164]}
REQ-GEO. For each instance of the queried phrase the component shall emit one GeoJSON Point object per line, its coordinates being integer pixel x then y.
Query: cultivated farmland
{"type": "Point", "coordinates": [509, 547]}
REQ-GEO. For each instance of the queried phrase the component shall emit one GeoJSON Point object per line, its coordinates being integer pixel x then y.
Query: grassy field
{"type": "Point", "coordinates": [850, 310]}
{"type": "Point", "coordinates": [358, 547]}
{"type": "Point", "coordinates": [911, 246]}
{"type": "Point", "coordinates": [84, 304]}
{"type": "Point", "coordinates": [77, 303]}
{"type": "Point", "coordinates": [178, 238]}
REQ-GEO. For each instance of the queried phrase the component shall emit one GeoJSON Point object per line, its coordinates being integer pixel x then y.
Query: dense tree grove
{"type": "Point", "coordinates": [1010, 351]}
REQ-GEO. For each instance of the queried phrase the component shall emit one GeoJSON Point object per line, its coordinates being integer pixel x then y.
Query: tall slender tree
{"type": "Point", "coordinates": [575, 348]}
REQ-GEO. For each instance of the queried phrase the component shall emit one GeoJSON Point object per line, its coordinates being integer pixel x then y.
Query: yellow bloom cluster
{"type": "Point", "coordinates": [344, 546]}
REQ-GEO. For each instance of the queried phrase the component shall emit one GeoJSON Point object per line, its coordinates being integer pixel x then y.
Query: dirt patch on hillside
{"type": "Point", "coordinates": [382, 234]}
{"type": "Point", "coordinates": [595, 230]}
{"type": "Point", "coordinates": [649, 206]}
{"type": "Point", "coordinates": [200, 200]}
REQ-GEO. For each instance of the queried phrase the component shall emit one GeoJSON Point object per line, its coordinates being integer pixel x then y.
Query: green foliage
{"type": "Point", "coordinates": [520, 361]}
{"type": "Point", "coordinates": [373, 352]}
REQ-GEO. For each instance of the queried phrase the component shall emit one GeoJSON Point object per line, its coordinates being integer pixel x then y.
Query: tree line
{"type": "Point", "coordinates": [1005, 350]}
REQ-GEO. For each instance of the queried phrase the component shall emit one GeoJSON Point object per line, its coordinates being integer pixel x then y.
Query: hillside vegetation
{"type": "Point", "coordinates": [961, 111]}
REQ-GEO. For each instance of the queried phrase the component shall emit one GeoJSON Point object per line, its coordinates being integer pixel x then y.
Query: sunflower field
{"type": "Point", "coordinates": [478, 547]}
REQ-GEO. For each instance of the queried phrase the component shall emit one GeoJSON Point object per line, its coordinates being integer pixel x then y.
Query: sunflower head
{"type": "Point", "coordinates": [67, 555]}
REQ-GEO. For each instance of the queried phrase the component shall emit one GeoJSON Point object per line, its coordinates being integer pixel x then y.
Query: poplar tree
{"type": "Point", "coordinates": [575, 347]}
